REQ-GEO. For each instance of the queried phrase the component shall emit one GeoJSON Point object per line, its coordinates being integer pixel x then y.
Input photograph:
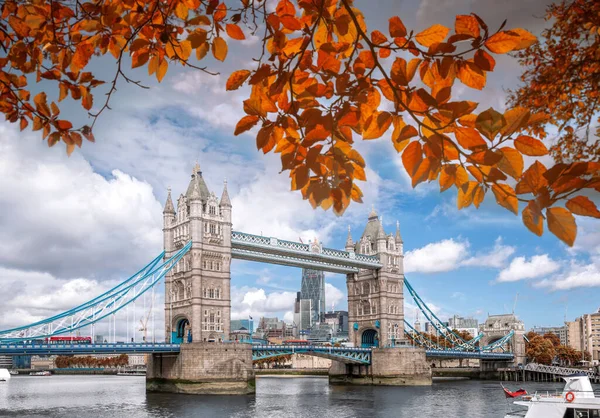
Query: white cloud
{"type": "Point", "coordinates": [436, 257]}
{"type": "Point", "coordinates": [256, 302]}
{"type": "Point", "coordinates": [577, 275]}
{"type": "Point", "coordinates": [520, 268]}
{"type": "Point", "coordinates": [496, 258]}
{"type": "Point", "coordinates": [61, 217]}
{"type": "Point", "coordinates": [333, 295]}
{"type": "Point", "coordinates": [450, 254]}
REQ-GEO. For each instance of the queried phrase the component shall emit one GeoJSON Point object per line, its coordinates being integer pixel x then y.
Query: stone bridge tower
{"type": "Point", "coordinates": [376, 297]}
{"type": "Point", "coordinates": [497, 326]}
{"type": "Point", "coordinates": [197, 299]}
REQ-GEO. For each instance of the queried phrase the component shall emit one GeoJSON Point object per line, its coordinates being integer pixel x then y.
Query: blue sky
{"type": "Point", "coordinates": [73, 227]}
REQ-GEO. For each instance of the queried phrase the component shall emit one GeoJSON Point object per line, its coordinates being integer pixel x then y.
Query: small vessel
{"type": "Point", "coordinates": [4, 375]}
{"type": "Point", "coordinates": [41, 373]}
{"type": "Point", "coordinates": [13, 372]}
{"type": "Point", "coordinates": [577, 400]}
{"type": "Point", "coordinates": [131, 373]}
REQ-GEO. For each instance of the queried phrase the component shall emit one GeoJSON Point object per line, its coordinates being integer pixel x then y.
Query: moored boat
{"type": "Point", "coordinates": [41, 373]}
{"type": "Point", "coordinates": [13, 372]}
{"type": "Point", "coordinates": [4, 375]}
{"type": "Point", "coordinates": [577, 400]}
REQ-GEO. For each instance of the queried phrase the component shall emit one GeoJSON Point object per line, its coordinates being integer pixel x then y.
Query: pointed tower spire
{"type": "Point", "coordinates": [195, 194]}
{"type": "Point", "coordinates": [349, 244]}
{"type": "Point", "coordinates": [225, 201]}
{"type": "Point", "coordinates": [373, 213]}
{"type": "Point", "coordinates": [381, 232]}
{"type": "Point", "coordinates": [169, 208]}
{"type": "Point", "coordinates": [398, 235]}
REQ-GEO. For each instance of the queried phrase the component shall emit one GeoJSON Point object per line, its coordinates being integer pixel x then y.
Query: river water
{"type": "Point", "coordinates": [125, 396]}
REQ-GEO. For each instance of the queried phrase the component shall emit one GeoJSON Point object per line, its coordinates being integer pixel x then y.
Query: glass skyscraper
{"type": "Point", "coordinates": [313, 288]}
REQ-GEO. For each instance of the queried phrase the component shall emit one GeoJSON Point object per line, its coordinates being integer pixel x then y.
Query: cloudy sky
{"type": "Point", "coordinates": [73, 227]}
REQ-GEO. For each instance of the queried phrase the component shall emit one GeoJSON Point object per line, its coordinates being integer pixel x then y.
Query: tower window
{"type": "Point", "coordinates": [212, 210]}
{"type": "Point", "coordinates": [213, 229]}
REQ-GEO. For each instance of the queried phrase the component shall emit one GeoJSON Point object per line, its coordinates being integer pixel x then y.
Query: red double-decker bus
{"type": "Point", "coordinates": [69, 340]}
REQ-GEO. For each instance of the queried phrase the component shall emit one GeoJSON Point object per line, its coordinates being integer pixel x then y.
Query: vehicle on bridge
{"type": "Point", "coordinates": [68, 340]}
{"type": "Point", "coordinates": [577, 400]}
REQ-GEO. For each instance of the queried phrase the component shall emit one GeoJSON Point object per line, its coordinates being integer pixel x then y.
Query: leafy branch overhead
{"type": "Point", "coordinates": [322, 81]}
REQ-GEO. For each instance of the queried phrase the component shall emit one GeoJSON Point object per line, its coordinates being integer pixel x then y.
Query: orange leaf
{"type": "Point", "coordinates": [526, 39]}
{"type": "Point", "coordinates": [502, 42]}
{"type": "Point", "coordinates": [484, 60]}
{"type": "Point", "coordinates": [377, 125]}
{"type": "Point", "coordinates": [236, 79]}
{"type": "Point", "coordinates": [139, 59]}
{"type": "Point", "coordinates": [234, 32]}
{"type": "Point", "coordinates": [505, 196]}
{"type": "Point", "coordinates": [532, 179]}
{"type": "Point", "coordinates": [219, 48]}
{"type": "Point", "coordinates": [246, 123]}
{"type": "Point", "coordinates": [532, 218]}
{"type": "Point", "coordinates": [82, 55]}
{"type": "Point", "coordinates": [516, 118]}
{"type": "Point", "coordinates": [465, 194]}
{"type": "Point", "coordinates": [412, 157]}
{"type": "Point", "coordinates": [162, 69]}
{"type": "Point", "coordinates": [466, 24]}
{"type": "Point", "coordinates": [530, 146]}
{"type": "Point", "coordinates": [490, 123]}
{"type": "Point", "coordinates": [447, 177]}
{"type": "Point", "coordinates": [63, 125]}
{"type": "Point", "coordinates": [562, 224]}
{"type": "Point", "coordinates": [582, 205]}
{"type": "Point", "coordinates": [397, 28]}
{"type": "Point", "coordinates": [471, 75]}
{"type": "Point", "coordinates": [432, 35]}
{"type": "Point", "coordinates": [469, 138]}
{"type": "Point", "coordinates": [511, 162]}
{"type": "Point", "coordinates": [461, 176]}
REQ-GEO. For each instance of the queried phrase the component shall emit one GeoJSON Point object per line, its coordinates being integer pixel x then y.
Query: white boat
{"type": "Point", "coordinates": [4, 375]}
{"type": "Point", "coordinates": [44, 373]}
{"type": "Point", "coordinates": [577, 400]}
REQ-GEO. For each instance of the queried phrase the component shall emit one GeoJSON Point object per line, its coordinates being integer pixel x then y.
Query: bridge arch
{"type": "Point", "coordinates": [182, 328]}
{"type": "Point", "coordinates": [369, 338]}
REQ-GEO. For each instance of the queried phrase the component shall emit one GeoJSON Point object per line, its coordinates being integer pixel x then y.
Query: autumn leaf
{"type": "Point", "coordinates": [469, 138]}
{"type": "Point", "coordinates": [583, 206]}
{"type": "Point", "coordinates": [471, 75]}
{"type": "Point", "coordinates": [532, 219]}
{"type": "Point", "coordinates": [511, 162]}
{"type": "Point", "coordinates": [412, 157]}
{"type": "Point", "coordinates": [246, 123]}
{"type": "Point", "coordinates": [490, 123]}
{"type": "Point", "coordinates": [219, 48]}
{"type": "Point", "coordinates": [432, 35]}
{"type": "Point", "coordinates": [467, 25]}
{"type": "Point", "coordinates": [502, 42]}
{"type": "Point", "coordinates": [235, 32]}
{"type": "Point", "coordinates": [397, 28]}
{"type": "Point", "coordinates": [505, 197]}
{"type": "Point", "coordinates": [526, 39]}
{"type": "Point", "coordinates": [379, 123]}
{"type": "Point", "coordinates": [530, 146]}
{"type": "Point", "coordinates": [562, 224]}
{"type": "Point", "coordinates": [236, 79]}
{"type": "Point", "coordinates": [163, 66]}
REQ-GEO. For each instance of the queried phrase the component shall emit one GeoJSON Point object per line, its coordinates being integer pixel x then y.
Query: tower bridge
{"type": "Point", "coordinates": [197, 357]}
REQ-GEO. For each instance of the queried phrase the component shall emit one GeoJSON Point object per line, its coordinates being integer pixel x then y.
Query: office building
{"type": "Point", "coordinates": [313, 288]}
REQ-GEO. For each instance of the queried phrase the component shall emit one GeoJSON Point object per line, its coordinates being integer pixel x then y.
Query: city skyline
{"type": "Point", "coordinates": [79, 224]}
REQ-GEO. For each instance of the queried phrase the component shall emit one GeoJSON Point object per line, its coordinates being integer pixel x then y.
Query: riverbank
{"type": "Point", "coordinates": [291, 372]}
{"type": "Point", "coordinates": [73, 371]}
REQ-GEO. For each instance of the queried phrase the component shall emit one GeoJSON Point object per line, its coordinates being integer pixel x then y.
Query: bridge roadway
{"type": "Point", "coordinates": [344, 354]}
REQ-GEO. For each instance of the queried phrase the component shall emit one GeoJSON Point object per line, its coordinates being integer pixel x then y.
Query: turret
{"type": "Point", "coordinates": [168, 221]}
{"type": "Point", "coordinates": [225, 203]}
{"type": "Point", "coordinates": [381, 239]}
{"type": "Point", "coordinates": [349, 245]}
{"type": "Point", "coordinates": [399, 242]}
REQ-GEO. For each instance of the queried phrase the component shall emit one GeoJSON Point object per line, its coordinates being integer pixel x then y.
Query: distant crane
{"type": "Point", "coordinates": [515, 304]}
{"type": "Point", "coordinates": [144, 320]}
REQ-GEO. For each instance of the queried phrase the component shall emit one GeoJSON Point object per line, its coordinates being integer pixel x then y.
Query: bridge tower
{"type": "Point", "coordinates": [376, 315]}
{"type": "Point", "coordinates": [376, 297]}
{"type": "Point", "coordinates": [496, 327]}
{"type": "Point", "coordinates": [198, 299]}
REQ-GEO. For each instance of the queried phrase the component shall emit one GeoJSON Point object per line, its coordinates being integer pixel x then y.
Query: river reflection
{"type": "Point", "coordinates": [121, 396]}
